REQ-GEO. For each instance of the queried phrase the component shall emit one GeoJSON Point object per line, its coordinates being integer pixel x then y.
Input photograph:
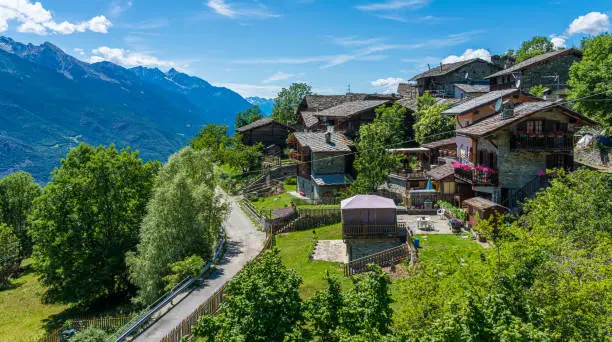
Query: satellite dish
{"type": "Point", "coordinates": [498, 104]}
{"type": "Point", "coordinates": [518, 84]}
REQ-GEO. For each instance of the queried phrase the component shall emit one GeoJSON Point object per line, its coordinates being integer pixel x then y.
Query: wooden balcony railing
{"type": "Point", "coordinates": [370, 231]}
{"type": "Point", "coordinates": [477, 177]}
{"type": "Point", "coordinates": [410, 175]}
{"type": "Point", "coordinates": [541, 143]}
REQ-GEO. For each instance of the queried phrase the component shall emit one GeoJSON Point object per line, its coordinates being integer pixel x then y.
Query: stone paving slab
{"type": "Point", "coordinates": [331, 250]}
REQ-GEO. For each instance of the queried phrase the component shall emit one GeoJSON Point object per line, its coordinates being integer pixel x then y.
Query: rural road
{"type": "Point", "coordinates": [244, 242]}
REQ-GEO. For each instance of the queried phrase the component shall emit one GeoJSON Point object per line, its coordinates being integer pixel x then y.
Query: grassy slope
{"type": "Point", "coordinates": [295, 248]}
{"type": "Point", "coordinates": [22, 314]}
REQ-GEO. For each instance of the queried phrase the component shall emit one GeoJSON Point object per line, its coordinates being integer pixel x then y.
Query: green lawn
{"type": "Point", "coordinates": [22, 314]}
{"type": "Point", "coordinates": [295, 249]}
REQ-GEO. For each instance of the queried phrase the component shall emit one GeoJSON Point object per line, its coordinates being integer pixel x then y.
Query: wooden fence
{"type": "Point", "coordinates": [259, 217]}
{"type": "Point", "coordinates": [210, 307]}
{"type": "Point", "coordinates": [383, 259]}
{"type": "Point", "coordinates": [105, 323]}
{"type": "Point", "coordinates": [308, 218]}
{"type": "Point", "coordinates": [373, 231]}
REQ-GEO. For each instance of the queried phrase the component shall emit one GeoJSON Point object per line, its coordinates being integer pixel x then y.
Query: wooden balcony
{"type": "Point", "coordinates": [544, 142]}
{"type": "Point", "coordinates": [477, 177]}
{"type": "Point", "coordinates": [409, 175]}
{"type": "Point", "coordinates": [370, 231]}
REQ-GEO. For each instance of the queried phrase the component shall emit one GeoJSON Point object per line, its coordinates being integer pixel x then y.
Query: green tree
{"type": "Point", "coordinates": [240, 156]}
{"type": "Point", "coordinates": [262, 303]}
{"type": "Point", "coordinates": [591, 76]}
{"type": "Point", "coordinates": [17, 193]}
{"type": "Point", "coordinates": [211, 137]}
{"type": "Point", "coordinates": [189, 267]}
{"type": "Point", "coordinates": [431, 124]}
{"type": "Point", "coordinates": [373, 162]}
{"type": "Point", "coordinates": [368, 304]}
{"type": "Point", "coordinates": [534, 47]}
{"type": "Point", "coordinates": [9, 254]}
{"type": "Point", "coordinates": [248, 116]}
{"type": "Point", "coordinates": [322, 311]}
{"type": "Point", "coordinates": [183, 219]}
{"type": "Point", "coordinates": [87, 218]}
{"type": "Point", "coordinates": [286, 103]}
{"type": "Point", "coordinates": [537, 90]}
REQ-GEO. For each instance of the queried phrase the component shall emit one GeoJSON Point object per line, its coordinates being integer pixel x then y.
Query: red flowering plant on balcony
{"type": "Point", "coordinates": [458, 165]}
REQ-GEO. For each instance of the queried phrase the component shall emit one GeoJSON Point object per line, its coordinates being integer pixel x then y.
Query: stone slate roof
{"type": "Point", "coordinates": [441, 172]}
{"type": "Point", "coordinates": [284, 212]}
{"type": "Point", "coordinates": [521, 111]}
{"type": "Point", "coordinates": [473, 88]}
{"type": "Point", "coordinates": [411, 103]}
{"type": "Point", "coordinates": [446, 68]}
{"type": "Point", "coordinates": [536, 60]}
{"type": "Point", "coordinates": [311, 104]}
{"type": "Point", "coordinates": [309, 118]}
{"type": "Point", "coordinates": [348, 109]}
{"type": "Point", "coordinates": [479, 101]}
{"type": "Point", "coordinates": [255, 124]}
{"type": "Point", "coordinates": [338, 179]}
{"type": "Point", "coordinates": [316, 142]}
{"type": "Point", "coordinates": [440, 143]}
{"type": "Point", "coordinates": [480, 203]}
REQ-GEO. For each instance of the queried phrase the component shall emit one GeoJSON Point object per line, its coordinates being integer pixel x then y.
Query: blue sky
{"type": "Point", "coordinates": [257, 47]}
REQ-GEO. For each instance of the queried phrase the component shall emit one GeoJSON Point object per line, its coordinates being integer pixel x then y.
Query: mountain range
{"type": "Point", "coordinates": [51, 101]}
{"type": "Point", "coordinates": [265, 105]}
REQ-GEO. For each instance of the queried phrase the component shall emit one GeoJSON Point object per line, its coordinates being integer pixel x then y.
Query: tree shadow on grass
{"type": "Point", "coordinates": [111, 306]}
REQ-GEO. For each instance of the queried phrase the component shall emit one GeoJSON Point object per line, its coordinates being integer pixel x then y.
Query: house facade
{"type": "Point", "coordinates": [502, 154]}
{"type": "Point", "coordinates": [549, 69]}
{"type": "Point", "coordinates": [322, 169]}
{"type": "Point", "coordinates": [345, 113]}
{"type": "Point", "coordinates": [439, 81]}
{"type": "Point", "coordinates": [266, 131]}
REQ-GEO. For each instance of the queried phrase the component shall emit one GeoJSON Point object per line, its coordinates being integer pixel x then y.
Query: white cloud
{"type": "Point", "coordinates": [34, 18]}
{"type": "Point", "coordinates": [558, 41]}
{"type": "Point", "coordinates": [279, 76]}
{"type": "Point", "coordinates": [592, 23]}
{"type": "Point", "coordinates": [130, 58]}
{"type": "Point", "coordinates": [393, 5]}
{"type": "Point", "coordinates": [387, 85]}
{"type": "Point", "coordinates": [468, 54]}
{"type": "Point", "coordinates": [233, 11]}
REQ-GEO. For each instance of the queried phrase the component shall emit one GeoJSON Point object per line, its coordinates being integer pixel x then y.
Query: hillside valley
{"type": "Point", "coordinates": [51, 101]}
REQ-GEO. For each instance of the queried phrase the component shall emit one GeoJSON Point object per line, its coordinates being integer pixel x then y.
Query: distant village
{"type": "Point", "coordinates": [504, 138]}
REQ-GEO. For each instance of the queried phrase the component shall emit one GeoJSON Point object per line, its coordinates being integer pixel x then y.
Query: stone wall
{"type": "Point", "coordinates": [593, 157]}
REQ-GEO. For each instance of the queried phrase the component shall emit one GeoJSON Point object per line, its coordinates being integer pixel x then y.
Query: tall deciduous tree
{"type": "Point", "coordinates": [9, 254]}
{"type": "Point", "coordinates": [262, 303]}
{"type": "Point", "coordinates": [17, 194]}
{"type": "Point", "coordinates": [211, 137]}
{"type": "Point", "coordinates": [431, 124]}
{"type": "Point", "coordinates": [248, 116]}
{"type": "Point", "coordinates": [533, 47]}
{"type": "Point", "coordinates": [373, 163]}
{"type": "Point", "coordinates": [183, 219]}
{"type": "Point", "coordinates": [87, 218]}
{"type": "Point", "coordinates": [286, 103]}
{"type": "Point", "coordinates": [591, 76]}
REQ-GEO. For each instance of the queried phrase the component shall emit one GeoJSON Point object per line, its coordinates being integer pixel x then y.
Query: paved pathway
{"type": "Point", "coordinates": [244, 243]}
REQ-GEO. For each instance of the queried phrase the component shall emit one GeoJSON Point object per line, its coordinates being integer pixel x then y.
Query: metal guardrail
{"type": "Point", "coordinates": [138, 321]}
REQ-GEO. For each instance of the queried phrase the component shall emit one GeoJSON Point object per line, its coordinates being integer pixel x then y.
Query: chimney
{"type": "Point", "coordinates": [328, 137]}
{"type": "Point", "coordinates": [440, 66]}
{"type": "Point", "coordinates": [428, 66]}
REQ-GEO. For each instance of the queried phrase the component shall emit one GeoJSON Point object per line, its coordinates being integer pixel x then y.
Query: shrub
{"type": "Point", "coordinates": [455, 212]}
{"type": "Point", "coordinates": [89, 335]}
{"type": "Point", "coordinates": [291, 181]}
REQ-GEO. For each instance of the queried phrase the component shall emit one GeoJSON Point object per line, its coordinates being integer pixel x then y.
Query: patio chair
{"type": "Point", "coordinates": [441, 213]}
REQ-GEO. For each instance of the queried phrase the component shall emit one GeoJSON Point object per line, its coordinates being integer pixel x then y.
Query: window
{"type": "Point", "coordinates": [534, 127]}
